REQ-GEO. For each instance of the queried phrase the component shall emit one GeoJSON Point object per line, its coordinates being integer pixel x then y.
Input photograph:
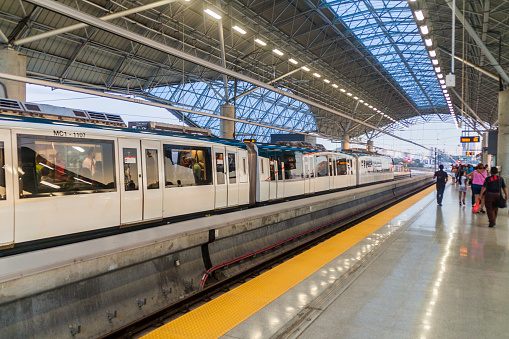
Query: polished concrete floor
{"type": "Point", "coordinates": [432, 272]}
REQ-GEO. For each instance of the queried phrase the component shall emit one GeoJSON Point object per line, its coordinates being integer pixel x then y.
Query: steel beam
{"type": "Point", "coordinates": [3, 38]}
{"type": "Point", "coordinates": [471, 64]}
{"type": "Point", "coordinates": [470, 109]}
{"type": "Point", "coordinates": [479, 43]}
{"type": "Point", "coordinates": [80, 16]}
{"type": "Point", "coordinates": [268, 83]}
{"type": "Point", "coordinates": [82, 25]}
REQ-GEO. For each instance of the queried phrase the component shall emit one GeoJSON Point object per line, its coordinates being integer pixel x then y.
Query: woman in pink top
{"type": "Point", "coordinates": [478, 176]}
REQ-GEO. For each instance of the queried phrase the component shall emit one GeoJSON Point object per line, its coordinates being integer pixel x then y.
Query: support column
{"type": "Point", "coordinates": [370, 146]}
{"type": "Point", "coordinates": [227, 127]}
{"type": "Point", "coordinates": [484, 149]}
{"type": "Point", "coordinates": [345, 145]}
{"type": "Point", "coordinates": [503, 134]}
{"type": "Point", "coordinates": [12, 62]}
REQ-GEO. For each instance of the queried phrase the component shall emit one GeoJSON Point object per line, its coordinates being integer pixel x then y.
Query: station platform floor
{"type": "Point", "coordinates": [416, 270]}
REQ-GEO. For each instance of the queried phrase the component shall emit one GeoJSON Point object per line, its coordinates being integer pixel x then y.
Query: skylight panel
{"type": "Point", "coordinates": [408, 48]}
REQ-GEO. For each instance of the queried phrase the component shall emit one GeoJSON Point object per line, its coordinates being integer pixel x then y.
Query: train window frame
{"type": "Point", "coordinates": [154, 166]}
{"type": "Point", "coordinates": [128, 161]}
{"type": "Point", "coordinates": [3, 184]}
{"type": "Point", "coordinates": [220, 174]}
{"type": "Point", "coordinates": [190, 176]}
{"type": "Point", "coordinates": [293, 166]}
{"type": "Point", "coordinates": [106, 149]}
{"type": "Point", "coordinates": [232, 168]}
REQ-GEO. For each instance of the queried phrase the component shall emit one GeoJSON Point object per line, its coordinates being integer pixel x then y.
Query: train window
{"type": "Point", "coordinates": [59, 165]}
{"type": "Point", "coordinates": [341, 166]}
{"type": "Point", "coordinates": [321, 166]}
{"type": "Point", "coordinates": [244, 165]}
{"type": "Point", "coordinates": [272, 170]}
{"type": "Point", "coordinates": [131, 181]}
{"type": "Point", "coordinates": [279, 168]}
{"type": "Point", "coordinates": [220, 168]}
{"type": "Point", "coordinates": [232, 171]}
{"type": "Point", "coordinates": [262, 165]}
{"type": "Point", "coordinates": [331, 167]}
{"type": "Point", "coordinates": [187, 166]}
{"type": "Point", "coordinates": [3, 190]}
{"type": "Point", "coordinates": [152, 168]}
{"type": "Point", "coordinates": [293, 166]}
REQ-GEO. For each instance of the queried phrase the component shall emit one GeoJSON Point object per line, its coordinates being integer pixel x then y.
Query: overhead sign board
{"type": "Point", "coordinates": [469, 139]}
{"type": "Point", "coordinates": [470, 153]}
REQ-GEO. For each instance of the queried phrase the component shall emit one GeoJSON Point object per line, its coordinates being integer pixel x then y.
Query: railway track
{"type": "Point", "coordinates": [214, 289]}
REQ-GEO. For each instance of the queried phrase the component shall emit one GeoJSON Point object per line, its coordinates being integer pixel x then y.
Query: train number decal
{"type": "Point", "coordinates": [68, 134]}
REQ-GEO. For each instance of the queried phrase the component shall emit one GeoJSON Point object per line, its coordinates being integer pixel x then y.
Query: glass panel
{"type": "Point", "coordinates": [131, 181]}
{"type": "Point", "coordinates": [187, 166]}
{"type": "Point", "coordinates": [331, 168]}
{"type": "Point", "coordinates": [341, 166]}
{"type": "Point", "coordinates": [55, 166]}
{"type": "Point", "coordinates": [152, 168]}
{"type": "Point", "coordinates": [3, 190]}
{"type": "Point", "coordinates": [244, 165]}
{"type": "Point", "coordinates": [321, 166]}
{"type": "Point", "coordinates": [272, 168]}
{"type": "Point", "coordinates": [231, 168]}
{"type": "Point", "coordinates": [279, 168]}
{"type": "Point", "coordinates": [220, 168]}
{"type": "Point", "coordinates": [293, 166]}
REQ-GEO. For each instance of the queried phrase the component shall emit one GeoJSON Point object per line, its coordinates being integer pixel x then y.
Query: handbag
{"type": "Point", "coordinates": [502, 203]}
{"type": "Point", "coordinates": [475, 208]}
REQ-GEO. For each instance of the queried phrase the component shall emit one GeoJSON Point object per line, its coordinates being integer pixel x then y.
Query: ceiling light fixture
{"type": "Point", "coordinates": [293, 61]}
{"type": "Point", "coordinates": [434, 61]}
{"type": "Point", "coordinates": [212, 13]}
{"type": "Point", "coordinates": [277, 51]}
{"type": "Point", "coordinates": [317, 75]}
{"type": "Point", "coordinates": [419, 15]}
{"type": "Point", "coordinates": [428, 42]}
{"type": "Point", "coordinates": [238, 29]}
{"type": "Point", "coordinates": [433, 53]}
{"type": "Point", "coordinates": [304, 68]}
{"type": "Point", "coordinates": [424, 30]}
{"type": "Point", "coordinates": [326, 81]}
{"type": "Point", "coordinates": [335, 86]}
{"type": "Point", "coordinates": [260, 42]}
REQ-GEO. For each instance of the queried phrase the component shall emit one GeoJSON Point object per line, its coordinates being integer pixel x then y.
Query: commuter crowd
{"type": "Point", "coordinates": [486, 188]}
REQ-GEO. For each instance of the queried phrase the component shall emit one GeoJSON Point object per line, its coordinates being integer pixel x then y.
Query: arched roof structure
{"type": "Point", "coordinates": [330, 67]}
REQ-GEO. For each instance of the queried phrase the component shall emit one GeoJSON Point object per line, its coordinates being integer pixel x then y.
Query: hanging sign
{"type": "Point", "coordinates": [469, 139]}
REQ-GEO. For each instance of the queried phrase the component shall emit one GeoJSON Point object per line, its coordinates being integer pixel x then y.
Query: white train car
{"type": "Point", "coordinates": [284, 172]}
{"type": "Point", "coordinates": [374, 168]}
{"type": "Point", "coordinates": [59, 178]}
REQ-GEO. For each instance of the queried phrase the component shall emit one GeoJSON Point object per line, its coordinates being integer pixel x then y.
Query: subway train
{"type": "Point", "coordinates": [66, 172]}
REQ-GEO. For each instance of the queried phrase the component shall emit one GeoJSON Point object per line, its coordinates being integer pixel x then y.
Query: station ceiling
{"type": "Point", "coordinates": [304, 65]}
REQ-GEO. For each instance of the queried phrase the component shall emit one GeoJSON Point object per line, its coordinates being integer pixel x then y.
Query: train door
{"type": "Point", "coordinates": [152, 180]}
{"type": "Point", "coordinates": [280, 190]}
{"type": "Point", "coordinates": [131, 194]}
{"type": "Point", "coordinates": [233, 180]}
{"type": "Point", "coordinates": [273, 175]}
{"type": "Point", "coordinates": [332, 171]}
{"type": "Point", "coordinates": [221, 199]}
{"type": "Point", "coordinates": [6, 190]}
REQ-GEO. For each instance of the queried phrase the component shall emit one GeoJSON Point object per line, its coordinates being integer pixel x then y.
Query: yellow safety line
{"type": "Point", "coordinates": [220, 315]}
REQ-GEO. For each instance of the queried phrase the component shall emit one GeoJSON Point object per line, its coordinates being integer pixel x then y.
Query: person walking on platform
{"type": "Point", "coordinates": [478, 176]}
{"type": "Point", "coordinates": [441, 177]}
{"type": "Point", "coordinates": [462, 180]}
{"type": "Point", "coordinates": [493, 185]}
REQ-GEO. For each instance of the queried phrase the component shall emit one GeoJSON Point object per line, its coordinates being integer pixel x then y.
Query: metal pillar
{"type": "Point", "coordinates": [503, 134]}
{"type": "Point", "coordinates": [484, 154]}
{"type": "Point", "coordinates": [12, 62]}
{"type": "Point", "coordinates": [228, 126]}
{"type": "Point", "coordinates": [346, 142]}
{"type": "Point", "coordinates": [370, 146]}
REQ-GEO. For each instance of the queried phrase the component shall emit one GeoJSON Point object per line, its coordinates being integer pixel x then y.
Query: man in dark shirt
{"type": "Point", "coordinates": [441, 177]}
{"type": "Point", "coordinates": [493, 185]}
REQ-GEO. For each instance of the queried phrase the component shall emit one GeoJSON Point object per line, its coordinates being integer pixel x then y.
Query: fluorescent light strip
{"type": "Point", "coordinates": [304, 68]}
{"type": "Point", "coordinates": [293, 61]}
{"type": "Point", "coordinates": [424, 30]}
{"type": "Point", "coordinates": [316, 75]}
{"type": "Point", "coordinates": [260, 42]}
{"type": "Point", "coordinates": [428, 42]}
{"type": "Point", "coordinates": [212, 14]}
{"type": "Point", "coordinates": [419, 15]}
{"type": "Point", "coordinates": [278, 52]}
{"type": "Point", "coordinates": [326, 81]}
{"type": "Point", "coordinates": [238, 29]}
